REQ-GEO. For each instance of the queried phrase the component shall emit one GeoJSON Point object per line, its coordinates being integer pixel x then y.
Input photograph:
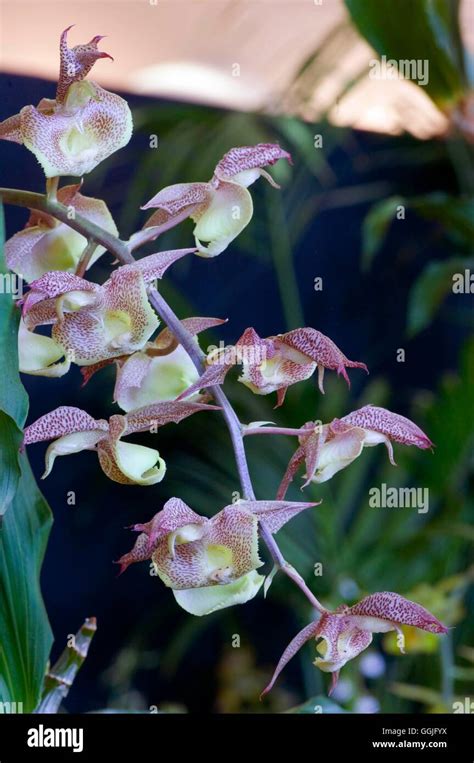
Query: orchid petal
{"type": "Point", "coordinates": [338, 453]}
{"type": "Point", "coordinates": [203, 601]}
{"type": "Point", "coordinates": [63, 420]}
{"type": "Point", "coordinates": [275, 514]}
{"type": "Point", "coordinates": [394, 609]}
{"type": "Point", "coordinates": [74, 137]}
{"type": "Point", "coordinates": [158, 414]}
{"type": "Point", "coordinates": [227, 213]}
{"type": "Point", "coordinates": [309, 631]}
{"type": "Point", "coordinates": [244, 164]}
{"type": "Point", "coordinates": [76, 63]}
{"type": "Point", "coordinates": [142, 379]}
{"type": "Point", "coordinates": [129, 463]}
{"type": "Point", "coordinates": [397, 428]}
{"type": "Point", "coordinates": [39, 355]}
{"type": "Point", "coordinates": [71, 443]}
{"type": "Point", "coordinates": [320, 349]}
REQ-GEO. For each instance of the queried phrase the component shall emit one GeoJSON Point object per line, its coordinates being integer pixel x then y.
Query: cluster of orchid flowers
{"type": "Point", "coordinates": [209, 563]}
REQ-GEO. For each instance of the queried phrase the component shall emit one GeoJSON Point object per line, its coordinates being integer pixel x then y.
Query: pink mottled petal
{"type": "Point", "coordinates": [396, 427]}
{"type": "Point", "coordinates": [396, 609]}
{"type": "Point", "coordinates": [77, 135]}
{"type": "Point", "coordinates": [76, 63]}
{"type": "Point", "coordinates": [155, 265]}
{"type": "Point", "coordinates": [320, 349]}
{"type": "Point", "coordinates": [62, 421]}
{"type": "Point", "coordinates": [139, 553]}
{"type": "Point", "coordinates": [293, 647]}
{"type": "Point", "coordinates": [175, 198]}
{"type": "Point", "coordinates": [275, 513]}
{"type": "Point", "coordinates": [159, 414]}
{"type": "Point", "coordinates": [174, 514]}
{"type": "Point", "coordinates": [238, 163]}
{"type": "Point", "coordinates": [10, 129]}
{"type": "Point", "coordinates": [235, 528]}
{"type": "Point", "coordinates": [295, 462]}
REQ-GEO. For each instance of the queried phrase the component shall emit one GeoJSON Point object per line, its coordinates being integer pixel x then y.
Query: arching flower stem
{"type": "Point", "coordinates": [122, 253]}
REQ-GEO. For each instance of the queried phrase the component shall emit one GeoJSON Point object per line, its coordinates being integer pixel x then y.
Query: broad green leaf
{"type": "Point", "coordinates": [417, 30]}
{"type": "Point", "coordinates": [430, 290]}
{"type": "Point", "coordinates": [13, 398]}
{"type": "Point", "coordinates": [61, 675]}
{"type": "Point", "coordinates": [25, 635]}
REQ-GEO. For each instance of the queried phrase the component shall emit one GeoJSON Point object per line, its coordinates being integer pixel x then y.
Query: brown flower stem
{"type": "Point", "coordinates": [85, 258]}
{"type": "Point", "coordinates": [121, 251]}
{"type": "Point", "coordinates": [62, 213]}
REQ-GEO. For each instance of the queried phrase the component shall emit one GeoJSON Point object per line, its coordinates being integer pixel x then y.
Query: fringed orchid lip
{"type": "Point", "coordinates": [220, 208]}
{"type": "Point", "coordinates": [345, 633]}
{"type": "Point", "coordinates": [334, 446]}
{"type": "Point", "coordinates": [273, 364]}
{"type": "Point", "coordinates": [93, 323]}
{"type": "Point", "coordinates": [209, 563]}
{"type": "Point", "coordinates": [84, 125]}
{"type": "Point", "coordinates": [72, 430]}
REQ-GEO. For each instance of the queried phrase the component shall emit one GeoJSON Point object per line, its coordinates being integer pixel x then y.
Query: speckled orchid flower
{"type": "Point", "coordinates": [273, 364]}
{"type": "Point", "coordinates": [220, 208]}
{"type": "Point", "coordinates": [46, 244]}
{"type": "Point", "coordinates": [345, 633]}
{"type": "Point", "coordinates": [160, 372]}
{"type": "Point", "coordinates": [82, 126]}
{"type": "Point", "coordinates": [91, 323]}
{"type": "Point", "coordinates": [326, 449]}
{"type": "Point", "coordinates": [73, 430]}
{"type": "Point", "coordinates": [209, 563]}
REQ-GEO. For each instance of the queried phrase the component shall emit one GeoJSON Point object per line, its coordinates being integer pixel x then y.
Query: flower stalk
{"type": "Point", "coordinates": [121, 252]}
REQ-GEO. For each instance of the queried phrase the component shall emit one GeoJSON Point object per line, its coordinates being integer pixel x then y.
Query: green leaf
{"type": "Point", "coordinates": [414, 30]}
{"type": "Point", "coordinates": [25, 635]}
{"type": "Point", "coordinates": [13, 398]}
{"type": "Point", "coordinates": [376, 225]}
{"type": "Point", "coordinates": [60, 677]}
{"type": "Point", "coordinates": [430, 290]}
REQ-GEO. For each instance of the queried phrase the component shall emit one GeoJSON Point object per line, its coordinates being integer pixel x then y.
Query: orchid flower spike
{"type": "Point", "coordinates": [46, 244]}
{"type": "Point", "coordinates": [345, 633]}
{"type": "Point", "coordinates": [209, 563]}
{"type": "Point", "coordinates": [273, 364]}
{"type": "Point", "coordinates": [220, 208]}
{"type": "Point", "coordinates": [160, 372]}
{"type": "Point", "coordinates": [73, 430]}
{"type": "Point", "coordinates": [81, 127]}
{"type": "Point", "coordinates": [90, 323]}
{"type": "Point", "coordinates": [328, 448]}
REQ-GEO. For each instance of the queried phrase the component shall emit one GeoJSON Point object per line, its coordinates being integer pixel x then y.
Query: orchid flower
{"type": "Point", "coordinates": [273, 364]}
{"type": "Point", "coordinates": [160, 372]}
{"type": "Point", "coordinates": [326, 449]}
{"type": "Point", "coordinates": [346, 632]}
{"type": "Point", "coordinates": [46, 244]}
{"type": "Point", "coordinates": [73, 430]}
{"type": "Point", "coordinates": [89, 322]}
{"type": "Point", "coordinates": [209, 563]}
{"type": "Point", "coordinates": [82, 126]}
{"type": "Point", "coordinates": [220, 208]}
